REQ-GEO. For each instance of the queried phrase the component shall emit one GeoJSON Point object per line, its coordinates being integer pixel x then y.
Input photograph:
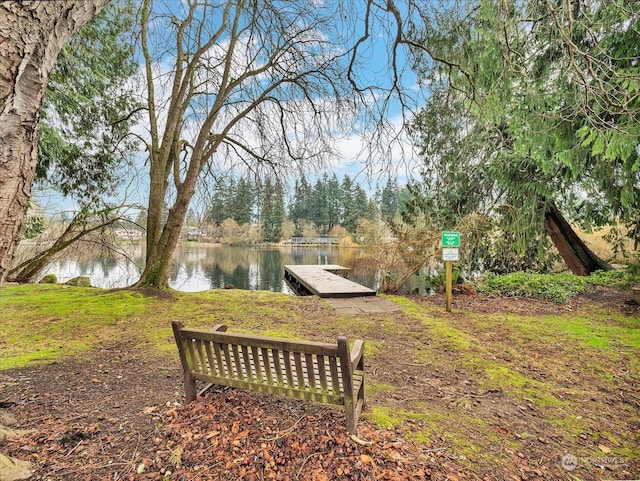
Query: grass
{"type": "Point", "coordinates": [40, 324]}
{"type": "Point", "coordinates": [44, 323]}
{"type": "Point", "coordinates": [551, 362]}
{"type": "Point", "coordinates": [477, 385]}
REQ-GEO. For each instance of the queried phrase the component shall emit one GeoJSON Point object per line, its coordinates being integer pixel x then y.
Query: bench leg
{"type": "Point", "coordinates": [353, 410]}
{"type": "Point", "coordinates": [351, 419]}
{"type": "Point", "coordinates": [190, 387]}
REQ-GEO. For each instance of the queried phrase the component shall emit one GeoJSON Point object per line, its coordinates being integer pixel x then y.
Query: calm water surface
{"type": "Point", "coordinates": [199, 267]}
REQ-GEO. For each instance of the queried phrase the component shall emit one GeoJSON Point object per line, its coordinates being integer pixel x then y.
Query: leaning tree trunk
{"type": "Point", "coordinates": [81, 226]}
{"type": "Point", "coordinates": [578, 257]}
{"type": "Point", "coordinates": [31, 36]}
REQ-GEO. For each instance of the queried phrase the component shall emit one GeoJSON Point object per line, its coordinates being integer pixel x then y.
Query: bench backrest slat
{"type": "Point", "coordinates": [212, 364]}
{"type": "Point", "coordinates": [268, 342]}
{"type": "Point", "coordinates": [300, 376]}
{"type": "Point", "coordinates": [335, 379]}
{"type": "Point", "coordinates": [256, 364]}
{"type": "Point", "coordinates": [218, 356]}
{"type": "Point", "coordinates": [311, 371]}
{"type": "Point", "coordinates": [197, 345]}
{"type": "Point", "coordinates": [265, 363]}
{"type": "Point", "coordinates": [227, 359]}
{"type": "Point", "coordinates": [236, 362]}
{"type": "Point", "coordinates": [277, 365]}
{"type": "Point", "coordinates": [322, 374]}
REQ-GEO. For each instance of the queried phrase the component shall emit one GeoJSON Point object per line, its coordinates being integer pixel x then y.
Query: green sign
{"type": "Point", "coordinates": [451, 239]}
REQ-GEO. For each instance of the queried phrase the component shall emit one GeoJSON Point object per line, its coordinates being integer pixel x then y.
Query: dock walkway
{"type": "Point", "coordinates": [322, 281]}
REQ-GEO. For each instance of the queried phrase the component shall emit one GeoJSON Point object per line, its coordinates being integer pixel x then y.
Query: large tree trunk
{"type": "Point", "coordinates": [159, 256]}
{"type": "Point", "coordinates": [31, 36]}
{"type": "Point", "coordinates": [578, 257]}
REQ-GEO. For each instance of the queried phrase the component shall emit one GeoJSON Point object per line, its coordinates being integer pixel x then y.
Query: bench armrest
{"type": "Point", "coordinates": [356, 354]}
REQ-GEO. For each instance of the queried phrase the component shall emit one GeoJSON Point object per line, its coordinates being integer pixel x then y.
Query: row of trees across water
{"type": "Point", "coordinates": [303, 209]}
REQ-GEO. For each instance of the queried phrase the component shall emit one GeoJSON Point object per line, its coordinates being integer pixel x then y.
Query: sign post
{"type": "Point", "coordinates": [450, 243]}
{"type": "Point", "coordinates": [448, 297]}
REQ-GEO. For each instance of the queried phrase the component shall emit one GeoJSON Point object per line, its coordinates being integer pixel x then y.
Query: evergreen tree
{"type": "Point", "coordinates": [360, 206]}
{"type": "Point", "coordinates": [319, 207]}
{"type": "Point", "coordinates": [219, 203]}
{"type": "Point", "coordinates": [330, 203]}
{"type": "Point", "coordinates": [273, 212]}
{"type": "Point", "coordinates": [294, 205]}
{"type": "Point", "coordinates": [389, 201]}
{"type": "Point", "coordinates": [88, 109]}
{"type": "Point", "coordinates": [243, 202]}
{"type": "Point", "coordinates": [355, 204]}
{"type": "Point", "coordinates": [348, 208]}
{"type": "Point", "coordinates": [549, 96]}
{"type": "Point", "coordinates": [301, 206]}
{"type": "Point", "coordinates": [373, 212]}
{"type": "Point", "coordinates": [334, 199]}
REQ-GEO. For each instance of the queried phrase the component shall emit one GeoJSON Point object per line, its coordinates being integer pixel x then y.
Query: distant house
{"type": "Point", "coordinates": [325, 239]}
{"type": "Point", "coordinates": [322, 239]}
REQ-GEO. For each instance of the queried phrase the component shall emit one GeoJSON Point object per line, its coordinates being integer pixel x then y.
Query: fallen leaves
{"type": "Point", "coordinates": [253, 437]}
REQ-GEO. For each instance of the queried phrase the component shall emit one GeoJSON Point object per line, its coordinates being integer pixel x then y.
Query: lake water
{"type": "Point", "coordinates": [200, 267]}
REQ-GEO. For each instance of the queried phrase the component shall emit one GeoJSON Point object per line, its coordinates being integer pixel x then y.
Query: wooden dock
{"type": "Point", "coordinates": [324, 281]}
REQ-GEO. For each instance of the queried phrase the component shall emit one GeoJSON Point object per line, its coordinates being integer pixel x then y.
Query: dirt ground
{"type": "Point", "coordinates": [117, 415]}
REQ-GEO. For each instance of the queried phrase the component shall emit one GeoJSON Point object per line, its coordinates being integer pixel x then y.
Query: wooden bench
{"type": "Point", "coordinates": [314, 371]}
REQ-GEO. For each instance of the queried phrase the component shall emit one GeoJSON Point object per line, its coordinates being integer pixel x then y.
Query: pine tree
{"type": "Point", "coordinates": [334, 202]}
{"type": "Point", "coordinates": [218, 205]}
{"type": "Point", "coordinates": [243, 202]}
{"type": "Point", "coordinates": [273, 212]}
{"type": "Point", "coordinates": [319, 207]}
{"type": "Point", "coordinates": [301, 206]}
{"type": "Point", "coordinates": [389, 202]}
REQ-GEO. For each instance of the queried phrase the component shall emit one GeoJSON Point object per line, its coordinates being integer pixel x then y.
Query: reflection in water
{"type": "Point", "coordinates": [201, 267]}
